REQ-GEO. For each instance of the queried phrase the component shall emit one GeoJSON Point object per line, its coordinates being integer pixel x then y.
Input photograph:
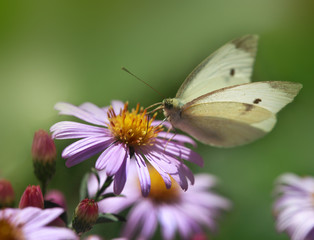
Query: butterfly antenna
{"type": "Point", "coordinates": [155, 110]}
{"type": "Point", "coordinates": [126, 70]}
{"type": "Point", "coordinates": [153, 105]}
{"type": "Point", "coordinates": [170, 139]}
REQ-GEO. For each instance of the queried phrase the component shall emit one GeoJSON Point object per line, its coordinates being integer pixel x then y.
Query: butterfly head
{"type": "Point", "coordinates": [171, 108]}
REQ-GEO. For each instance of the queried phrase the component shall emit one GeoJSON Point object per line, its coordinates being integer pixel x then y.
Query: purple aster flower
{"type": "Point", "coordinates": [122, 135]}
{"type": "Point", "coordinates": [175, 210]}
{"type": "Point", "coordinates": [294, 206]}
{"type": "Point", "coordinates": [31, 223]}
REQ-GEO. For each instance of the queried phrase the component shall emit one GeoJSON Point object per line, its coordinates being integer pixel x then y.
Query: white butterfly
{"type": "Point", "coordinates": [218, 105]}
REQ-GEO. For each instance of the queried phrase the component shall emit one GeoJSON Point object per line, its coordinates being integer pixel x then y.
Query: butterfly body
{"type": "Point", "coordinates": [219, 106]}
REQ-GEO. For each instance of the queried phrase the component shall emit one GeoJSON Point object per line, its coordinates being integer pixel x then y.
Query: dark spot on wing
{"type": "Point", "coordinates": [257, 101]}
{"type": "Point", "coordinates": [232, 72]}
{"type": "Point", "coordinates": [248, 107]}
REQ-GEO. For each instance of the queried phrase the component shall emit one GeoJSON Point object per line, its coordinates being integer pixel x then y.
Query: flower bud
{"type": "Point", "coordinates": [44, 155]}
{"type": "Point", "coordinates": [85, 216]}
{"type": "Point", "coordinates": [6, 194]}
{"type": "Point", "coordinates": [32, 197]}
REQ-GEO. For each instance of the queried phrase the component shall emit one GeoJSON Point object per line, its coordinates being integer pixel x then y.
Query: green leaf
{"type": "Point", "coordinates": [109, 217]}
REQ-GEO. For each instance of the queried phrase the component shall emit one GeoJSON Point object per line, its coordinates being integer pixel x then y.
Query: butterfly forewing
{"type": "Point", "coordinates": [229, 65]}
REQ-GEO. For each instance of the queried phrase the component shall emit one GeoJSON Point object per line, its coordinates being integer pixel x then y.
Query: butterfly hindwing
{"type": "Point", "coordinates": [226, 124]}
{"type": "Point", "coordinates": [236, 115]}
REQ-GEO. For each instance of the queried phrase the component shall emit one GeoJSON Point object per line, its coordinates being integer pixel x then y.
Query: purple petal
{"type": "Point", "coordinates": [36, 217]}
{"type": "Point", "coordinates": [80, 157]}
{"type": "Point", "coordinates": [52, 233]}
{"type": "Point", "coordinates": [180, 178]}
{"type": "Point", "coordinates": [109, 155]}
{"type": "Point", "coordinates": [180, 151]}
{"type": "Point", "coordinates": [117, 152]}
{"type": "Point", "coordinates": [121, 176]}
{"type": "Point", "coordinates": [135, 218]}
{"type": "Point", "coordinates": [96, 111]}
{"type": "Point", "coordinates": [163, 173]}
{"type": "Point", "coordinates": [149, 224]}
{"type": "Point", "coordinates": [69, 109]}
{"type": "Point", "coordinates": [187, 173]}
{"type": "Point", "coordinates": [177, 137]}
{"type": "Point", "coordinates": [167, 222]}
{"type": "Point", "coordinates": [69, 130]}
{"type": "Point", "coordinates": [184, 223]}
{"type": "Point", "coordinates": [85, 144]}
{"type": "Point", "coordinates": [143, 174]}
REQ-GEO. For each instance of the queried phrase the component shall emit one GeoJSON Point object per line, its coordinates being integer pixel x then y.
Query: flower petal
{"type": "Point", "coordinates": [177, 137]}
{"type": "Point", "coordinates": [96, 111]}
{"type": "Point", "coordinates": [143, 174]}
{"type": "Point", "coordinates": [36, 217]}
{"type": "Point", "coordinates": [69, 109]}
{"type": "Point", "coordinates": [52, 233]}
{"type": "Point", "coordinates": [117, 152]}
{"type": "Point", "coordinates": [163, 173]}
{"type": "Point", "coordinates": [85, 144]}
{"type": "Point", "coordinates": [167, 222]}
{"type": "Point", "coordinates": [121, 176]}
{"type": "Point", "coordinates": [69, 130]}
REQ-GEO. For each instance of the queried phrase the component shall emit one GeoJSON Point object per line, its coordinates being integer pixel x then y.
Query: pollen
{"type": "Point", "coordinates": [10, 232]}
{"type": "Point", "coordinates": [134, 127]}
{"type": "Point", "coordinates": [158, 191]}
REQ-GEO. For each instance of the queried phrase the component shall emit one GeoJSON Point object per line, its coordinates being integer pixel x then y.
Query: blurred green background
{"type": "Point", "coordinates": [73, 51]}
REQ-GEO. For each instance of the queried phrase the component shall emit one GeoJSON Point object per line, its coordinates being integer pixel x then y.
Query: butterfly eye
{"type": "Point", "coordinates": [167, 103]}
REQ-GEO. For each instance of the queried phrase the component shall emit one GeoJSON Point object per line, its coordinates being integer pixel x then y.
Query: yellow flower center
{"type": "Point", "coordinates": [133, 127]}
{"type": "Point", "coordinates": [158, 191]}
{"type": "Point", "coordinates": [9, 231]}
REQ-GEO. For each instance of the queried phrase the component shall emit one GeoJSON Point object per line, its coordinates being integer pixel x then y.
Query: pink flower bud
{"type": "Point", "coordinates": [32, 197]}
{"type": "Point", "coordinates": [43, 148]}
{"type": "Point", "coordinates": [6, 194]}
{"type": "Point", "coordinates": [44, 156]}
{"type": "Point", "coordinates": [85, 216]}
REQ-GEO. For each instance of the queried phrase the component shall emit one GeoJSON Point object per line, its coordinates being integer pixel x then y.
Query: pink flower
{"type": "Point", "coordinates": [121, 136]}
{"type": "Point", "coordinates": [175, 210]}
{"type": "Point", "coordinates": [31, 223]}
{"type": "Point", "coordinates": [294, 206]}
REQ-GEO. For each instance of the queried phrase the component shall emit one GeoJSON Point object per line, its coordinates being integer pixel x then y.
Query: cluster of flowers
{"type": "Point", "coordinates": [140, 166]}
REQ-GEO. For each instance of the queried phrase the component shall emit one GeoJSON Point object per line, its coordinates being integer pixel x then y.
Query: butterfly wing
{"type": "Point", "coordinates": [229, 65]}
{"type": "Point", "coordinates": [236, 115]}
